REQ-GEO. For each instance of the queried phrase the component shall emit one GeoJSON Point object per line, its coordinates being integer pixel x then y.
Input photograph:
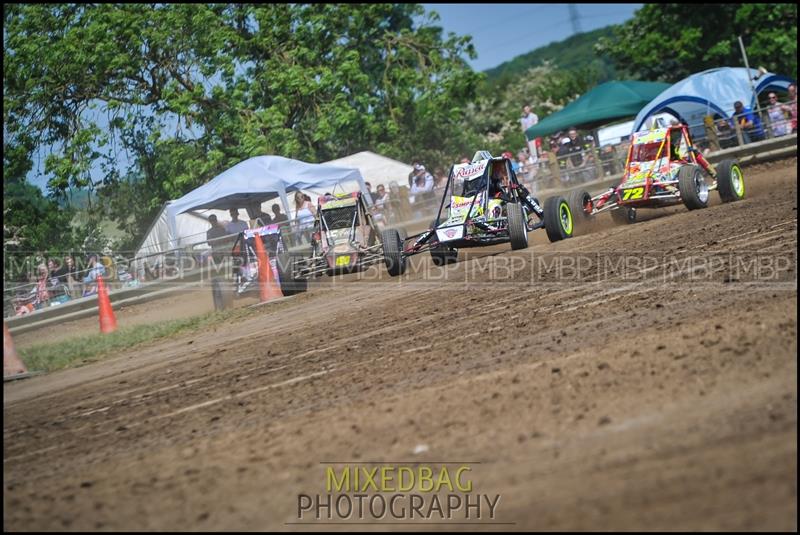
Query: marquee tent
{"type": "Point", "coordinates": [601, 105]}
{"type": "Point", "coordinates": [710, 92]}
{"type": "Point", "coordinates": [376, 169]}
{"type": "Point", "coordinates": [247, 185]}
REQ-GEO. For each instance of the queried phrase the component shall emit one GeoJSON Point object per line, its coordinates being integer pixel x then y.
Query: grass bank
{"type": "Point", "coordinates": [86, 349]}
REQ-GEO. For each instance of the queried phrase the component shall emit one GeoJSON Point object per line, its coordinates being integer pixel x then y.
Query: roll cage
{"type": "Point", "coordinates": [484, 178]}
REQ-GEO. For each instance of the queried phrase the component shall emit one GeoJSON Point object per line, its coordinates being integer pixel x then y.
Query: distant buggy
{"type": "Point", "coordinates": [246, 266]}
{"type": "Point", "coordinates": [662, 169]}
{"type": "Point", "coordinates": [345, 238]}
{"type": "Point", "coordinates": [483, 204]}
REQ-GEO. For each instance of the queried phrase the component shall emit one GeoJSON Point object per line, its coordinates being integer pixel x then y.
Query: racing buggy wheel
{"type": "Point", "coordinates": [730, 181]}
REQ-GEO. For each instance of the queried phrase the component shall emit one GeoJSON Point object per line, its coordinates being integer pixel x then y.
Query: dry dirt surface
{"type": "Point", "coordinates": [638, 377]}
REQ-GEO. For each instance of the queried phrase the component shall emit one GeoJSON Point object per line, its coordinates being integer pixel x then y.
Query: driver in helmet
{"type": "Point", "coordinates": [498, 184]}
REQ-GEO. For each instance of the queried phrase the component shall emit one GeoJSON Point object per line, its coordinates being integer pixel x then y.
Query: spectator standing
{"type": "Point", "coordinates": [214, 235]}
{"type": "Point", "coordinates": [412, 175]}
{"type": "Point", "coordinates": [574, 148]}
{"type": "Point", "coordinates": [749, 121]}
{"type": "Point", "coordinates": [381, 197]}
{"type": "Point", "coordinates": [562, 154]}
{"type": "Point", "coordinates": [235, 226]}
{"type": "Point", "coordinates": [609, 160]}
{"type": "Point", "coordinates": [777, 116]}
{"type": "Point", "coordinates": [68, 275]}
{"type": "Point", "coordinates": [263, 218]}
{"type": "Point", "coordinates": [277, 215]}
{"type": "Point", "coordinates": [96, 269]}
{"type": "Point", "coordinates": [423, 183]}
{"type": "Point", "coordinates": [280, 218]}
{"type": "Point", "coordinates": [528, 120]}
{"type": "Point", "coordinates": [793, 107]}
{"type": "Point", "coordinates": [42, 291]}
{"type": "Point", "coordinates": [304, 212]}
{"type": "Point", "coordinates": [216, 230]}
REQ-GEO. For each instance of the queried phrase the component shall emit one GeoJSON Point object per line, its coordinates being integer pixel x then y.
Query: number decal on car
{"type": "Point", "coordinates": [633, 193]}
{"type": "Point", "coordinates": [343, 260]}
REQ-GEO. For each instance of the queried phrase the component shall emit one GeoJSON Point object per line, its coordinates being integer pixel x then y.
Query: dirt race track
{"type": "Point", "coordinates": [651, 388]}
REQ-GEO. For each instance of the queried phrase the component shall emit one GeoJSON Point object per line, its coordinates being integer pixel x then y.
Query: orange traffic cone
{"type": "Point", "coordinates": [12, 364]}
{"type": "Point", "coordinates": [267, 286]}
{"type": "Point", "coordinates": [108, 323]}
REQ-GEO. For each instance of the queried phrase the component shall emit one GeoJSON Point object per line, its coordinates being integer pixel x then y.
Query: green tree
{"type": "Point", "coordinates": [32, 223]}
{"type": "Point", "coordinates": [157, 99]}
{"type": "Point", "coordinates": [668, 42]}
{"type": "Point", "coordinates": [494, 119]}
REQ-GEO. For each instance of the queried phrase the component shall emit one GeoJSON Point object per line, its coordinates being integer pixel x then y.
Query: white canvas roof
{"type": "Point", "coordinates": [376, 169]}
{"type": "Point", "coordinates": [711, 92]}
{"type": "Point", "coordinates": [249, 183]}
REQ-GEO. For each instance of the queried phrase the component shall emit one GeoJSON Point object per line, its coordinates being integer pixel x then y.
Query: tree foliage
{"type": "Point", "coordinates": [494, 118]}
{"type": "Point", "coordinates": [32, 223]}
{"type": "Point", "coordinates": [147, 101]}
{"type": "Point", "coordinates": [575, 54]}
{"type": "Point", "coordinates": [668, 42]}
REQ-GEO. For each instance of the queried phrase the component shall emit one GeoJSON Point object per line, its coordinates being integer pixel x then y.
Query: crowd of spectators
{"type": "Point", "coordinates": [60, 279]}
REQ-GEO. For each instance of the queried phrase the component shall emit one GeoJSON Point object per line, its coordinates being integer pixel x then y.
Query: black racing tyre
{"type": "Point", "coordinates": [692, 186]}
{"type": "Point", "coordinates": [730, 181]}
{"type": "Point", "coordinates": [578, 201]}
{"type": "Point", "coordinates": [393, 252]}
{"type": "Point", "coordinates": [623, 215]}
{"type": "Point", "coordinates": [517, 226]}
{"type": "Point", "coordinates": [289, 284]}
{"type": "Point", "coordinates": [443, 255]}
{"type": "Point", "coordinates": [558, 221]}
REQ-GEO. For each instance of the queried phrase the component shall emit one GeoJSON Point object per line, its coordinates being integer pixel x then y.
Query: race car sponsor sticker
{"type": "Point", "coordinates": [338, 203]}
{"type": "Point", "coordinates": [469, 170]}
{"type": "Point", "coordinates": [495, 209]}
{"type": "Point", "coordinates": [651, 136]}
{"type": "Point", "coordinates": [462, 202]}
{"type": "Point", "coordinates": [450, 233]}
{"type": "Point", "coordinates": [459, 207]}
{"type": "Point", "coordinates": [262, 231]}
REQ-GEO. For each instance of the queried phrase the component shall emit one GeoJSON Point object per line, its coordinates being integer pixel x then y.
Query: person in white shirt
{"type": "Point", "coordinates": [381, 196]}
{"type": "Point", "coordinates": [529, 119]}
{"type": "Point", "coordinates": [235, 226]}
{"type": "Point", "coordinates": [423, 182]}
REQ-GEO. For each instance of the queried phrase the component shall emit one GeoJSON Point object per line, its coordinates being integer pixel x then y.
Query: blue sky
{"type": "Point", "coordinates": [502, 31]}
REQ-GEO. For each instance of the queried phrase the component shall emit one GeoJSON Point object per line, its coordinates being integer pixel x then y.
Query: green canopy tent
{"type": "Point", "coordinates": [604, 103]}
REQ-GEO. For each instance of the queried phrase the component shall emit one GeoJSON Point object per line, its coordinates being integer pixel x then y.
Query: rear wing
{"type": "Point", "coordinates": [338, 201]}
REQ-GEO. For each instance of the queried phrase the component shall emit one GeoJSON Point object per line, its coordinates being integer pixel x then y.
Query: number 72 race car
{"type": "Point", "coordinates": [483, 204]}
{"type": "Point", "coordinates": [662, 169]}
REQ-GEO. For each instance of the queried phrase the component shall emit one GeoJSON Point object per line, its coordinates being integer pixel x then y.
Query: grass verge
{"type": "Point", "coordinates": [83, 350]}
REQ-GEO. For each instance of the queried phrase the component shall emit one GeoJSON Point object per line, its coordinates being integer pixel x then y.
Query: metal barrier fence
{"type": "Point", "coordinates": [553, 172]}
{"type": "Point", "coordinates": [121, 269]}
